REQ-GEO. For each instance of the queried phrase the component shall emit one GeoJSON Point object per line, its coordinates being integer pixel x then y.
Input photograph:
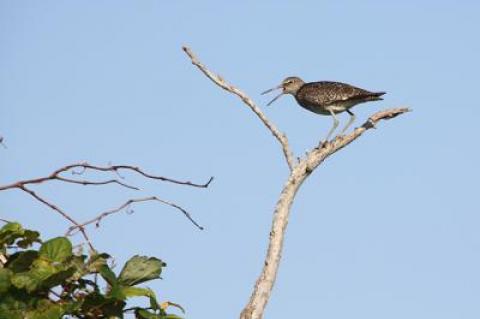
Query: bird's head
{"type": "Point", "coordinates": [289, 86]}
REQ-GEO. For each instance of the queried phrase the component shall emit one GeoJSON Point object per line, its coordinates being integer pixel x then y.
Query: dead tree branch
{"type": "Point", "coordinates": [96, 220]}
{"type": "Point", "coordinates": [80, 227]}
{"type": "Point", "coordinates": [56, 175]}
{"type": "Point", "coordinates": [298, 174]}
{"type": "Point", "coordinates": [218, 80]}
{"type": "Point", "coordinates": [264, 285]}
{"type": "Point", "coordinates": [60, 211]}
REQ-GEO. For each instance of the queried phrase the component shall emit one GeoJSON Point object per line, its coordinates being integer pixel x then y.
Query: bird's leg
{"type": "Point", "coordinates": [335, 125]}
{"type": "Point", "coordinates": [350, 121]}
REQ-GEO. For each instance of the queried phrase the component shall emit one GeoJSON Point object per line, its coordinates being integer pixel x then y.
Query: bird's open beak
{"type": "Point", "coordinates": [271, 90]}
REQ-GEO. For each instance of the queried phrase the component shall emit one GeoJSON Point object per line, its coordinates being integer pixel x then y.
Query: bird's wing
{"type": "Point", "coordinates": [325, 92]}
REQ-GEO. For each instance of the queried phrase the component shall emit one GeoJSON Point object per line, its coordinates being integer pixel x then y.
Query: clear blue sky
{"type": "Point", "coordinates": [388, 228]}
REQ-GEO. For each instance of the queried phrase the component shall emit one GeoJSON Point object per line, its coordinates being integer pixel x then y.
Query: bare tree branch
{"type": "Point", "coordinates": [264, 285]}
{"type": "Point", "coordinates": [86, 182]}
{"type": "Point", "coordinates": [218, 80]}
{"type": "Point", "coordinates": [96, 220]}
{"type": "Point", "coordinates": [298, 174]}
{"type": "Point", "coordinates": [116, 168]}
{"type": "Point", "coordinates": [60, 211]}
{"type": "Point", "coordinates": [83, 167]}
{"type": "Point", "coordinates": [111, 168]}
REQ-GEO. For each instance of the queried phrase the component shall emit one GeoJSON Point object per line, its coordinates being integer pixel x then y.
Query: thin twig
{"type": "Point", "coordinates": [79, 169]}
{"type": "Point", "coordinates": [96, 220]}
{"type": "Point", "coordinates": [112, 168]}
{"type": "Point", "coordinates": [86, 182]}
{"type": "Point", "coordinates": [61, 212]}
{"type": "Point", "coordinates": [218, 80]}
{"type": "Point", "coordinates": [116, 168]}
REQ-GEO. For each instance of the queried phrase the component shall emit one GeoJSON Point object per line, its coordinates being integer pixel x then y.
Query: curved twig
{"type": "Point", "coordinates": [111, 168]}
{"type": "Point", "coordinates": [116, 168]}
{"type": "Point", "coordinates": [218, 80]}
{"type": "Point", "coordinates": [83, 167]}
{"type": "Point", "coordinates": [60, 211]}
{"type": "Point", "coordinates": [96, 220]}
{"type": "Point", "coordinates": [95, 183]}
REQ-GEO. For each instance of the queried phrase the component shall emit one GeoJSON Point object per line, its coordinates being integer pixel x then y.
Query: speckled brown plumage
{"type": "Point", "coordinates": [318, 96]}
{"type": "Point", "coordinates": [326, 98]}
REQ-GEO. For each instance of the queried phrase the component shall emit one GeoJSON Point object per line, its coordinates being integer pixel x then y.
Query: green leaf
{"type": "Point", "coordinates": [11, 314]}
{"type": "Point", "coordinates": [38, 276]}
{"type": "Point", "coordinates": [28, 275]}
{"type": "Point", "coordinates": [167, 304]}
{"type": "Point", "coordinates": [25, 281]}
{"type": "Point", "coordinates": [22, 261]}
{"type": "Point", "coordinates": [116, 293]}
{"type": "Point", "coordinates": [154, 303]}
{"type": "Point", "coordinates": [57, 249]}
{"type": "Point", "coordinates": [101, 305]}
{"type": "Point", "coordinates": [96, 262]}
{"type": "Point", "coordinates": [77, 262]}
{"type": "Point", "coordinates": [14, 305]}
{"type": "Point", "coordinates": [140, 269]}
{"type": "Point", "coordinates": [72, 307]}
{"type": "Point", "coordinates": [145, 314]}
{"type": "Point", "coordinates": [5, 277]}
{"type": "Point", "coordinates": [9, 233]}
{"type": "Point", "coordinates": [57, 278]}
{"type": "Point", "coordinates": [119, 292]}
{"type": "Point", "coordinates": [46, 310]}
{"type": "Point", "coordinates": [129, 291]}
{"type": "Point", "coordinates": [108, 275]}
{"type": "Point", "coordinates": [11, 228]}
{"type": "Point", "coordinates": [29, 237]}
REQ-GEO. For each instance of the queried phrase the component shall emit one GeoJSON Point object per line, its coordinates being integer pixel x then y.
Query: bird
{"type": "Point", "coordinates": [325, 98]}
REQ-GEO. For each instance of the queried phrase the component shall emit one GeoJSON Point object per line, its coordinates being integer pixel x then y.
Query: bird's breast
{"type": "Point", "coordinates": [325, 109]}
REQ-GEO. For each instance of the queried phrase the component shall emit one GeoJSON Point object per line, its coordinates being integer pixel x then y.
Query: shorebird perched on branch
{"type": "Point", "coordinates": [326, 98]}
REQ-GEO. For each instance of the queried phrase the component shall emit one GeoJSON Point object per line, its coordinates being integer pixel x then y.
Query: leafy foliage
{"type": "Point", "coordinates": [54, 282]}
